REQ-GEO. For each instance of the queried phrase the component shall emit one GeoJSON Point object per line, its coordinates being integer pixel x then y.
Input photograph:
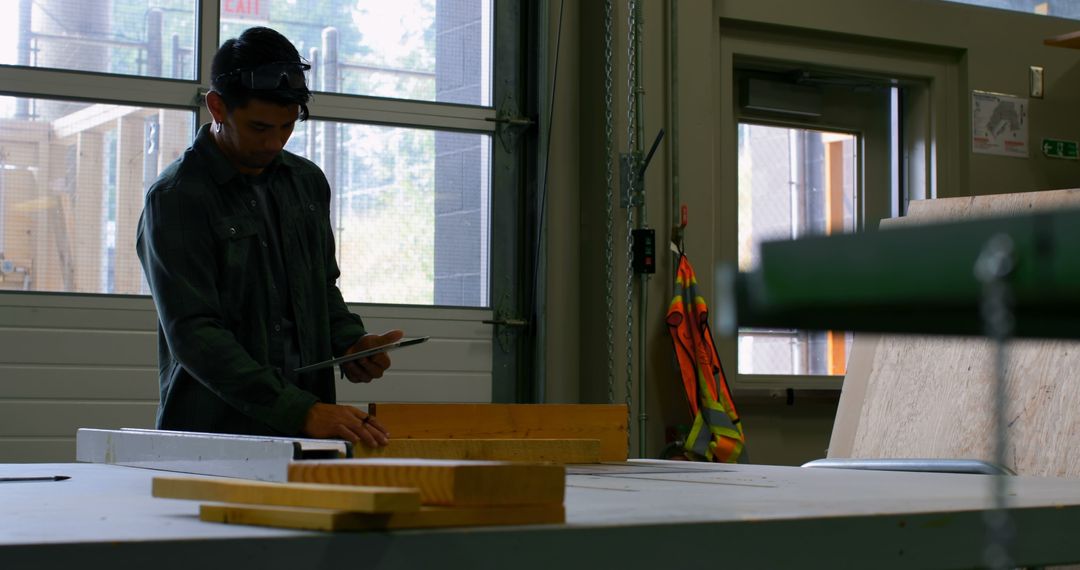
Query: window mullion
{"type": "Point", "coordinates": [122, 89]}
{"type": "Point", "coordinates": [402, 113]}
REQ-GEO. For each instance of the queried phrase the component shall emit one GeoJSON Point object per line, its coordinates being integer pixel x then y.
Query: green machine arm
{"type": "Point", "coordinates": [918, 279]}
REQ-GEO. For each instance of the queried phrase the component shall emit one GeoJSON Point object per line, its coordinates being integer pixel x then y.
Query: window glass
{"type": "Point", "coordinates": [428, 50]}
{"type": "Point", "coordinates": [793, 183]}
{"type": "Point", "coordinates": [72, 180]}
{"type": "Point", "coordinates": [1058, 8]}
{"type": "Point", "coordinates": [410, 210]}
{"type": "Point", "coordinates": [150, 38]}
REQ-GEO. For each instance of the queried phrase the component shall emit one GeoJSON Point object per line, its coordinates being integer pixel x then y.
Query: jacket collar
{"type": "Point", "coordinates": [221, 170]}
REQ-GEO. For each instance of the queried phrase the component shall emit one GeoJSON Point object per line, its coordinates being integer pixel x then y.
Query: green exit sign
{"type": "Point", "coordinates": [1053, 148]}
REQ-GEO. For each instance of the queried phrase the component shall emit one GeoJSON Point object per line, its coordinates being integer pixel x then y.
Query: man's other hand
{"type": "Point", "coordinates": [344, 422]}
{"type": "Point", "coordinates": [372, 367]}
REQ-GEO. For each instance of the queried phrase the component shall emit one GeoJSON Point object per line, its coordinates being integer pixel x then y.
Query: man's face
{"type": "Point", "coordinates": [255, 133]}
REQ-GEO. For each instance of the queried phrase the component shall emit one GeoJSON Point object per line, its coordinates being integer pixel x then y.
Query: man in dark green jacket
{"type": "Point", "coordinates": [236, 244]}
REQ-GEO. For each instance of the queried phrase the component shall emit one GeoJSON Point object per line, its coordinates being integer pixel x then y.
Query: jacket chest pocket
{"type": "Point", "coordinates": [240, 244]}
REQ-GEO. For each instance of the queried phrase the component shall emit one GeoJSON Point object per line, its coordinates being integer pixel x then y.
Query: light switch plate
{"type": "Point", "coordinates": [1035, 81]}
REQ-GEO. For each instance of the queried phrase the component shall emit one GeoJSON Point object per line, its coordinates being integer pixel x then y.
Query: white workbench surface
{"type": "Point", "coordinates": [638, 514]}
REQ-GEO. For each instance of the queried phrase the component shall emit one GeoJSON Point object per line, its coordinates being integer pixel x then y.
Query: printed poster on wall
{"type": "Point", "coordinates": [999, 124]}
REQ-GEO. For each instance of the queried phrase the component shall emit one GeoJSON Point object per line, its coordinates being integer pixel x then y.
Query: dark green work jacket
{"type": "Point", "coordinates": [203, 247]}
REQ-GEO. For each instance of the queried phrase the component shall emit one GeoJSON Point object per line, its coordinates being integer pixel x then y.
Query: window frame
{"type": "Point", "coordinates": [932, 139]}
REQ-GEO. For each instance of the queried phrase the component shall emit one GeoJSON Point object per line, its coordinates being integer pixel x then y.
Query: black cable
{"type": "Point", "coordinates": [648, 158]}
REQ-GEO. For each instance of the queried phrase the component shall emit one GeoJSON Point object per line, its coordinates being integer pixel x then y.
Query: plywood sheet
{"type": "Point", "coordinates": [931, 396]}
{"type": "Point", "coordinates": [974, 207]}
{"type": "Point", "coordinates": [529, 450]}
{"type": "Point", "coordinates": [343, 497]}
{"type": "Point", "coordinates": [605, 422]}
{"type": "Point", "coordinates": [853, 394]}
{"type": "Point", "coordinates": [445, 482]}
{"type": "Point", "coordinates": [426, 517]}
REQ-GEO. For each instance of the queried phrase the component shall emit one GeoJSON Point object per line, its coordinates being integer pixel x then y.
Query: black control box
{"type": "Point", "coordinates": [644, 250]}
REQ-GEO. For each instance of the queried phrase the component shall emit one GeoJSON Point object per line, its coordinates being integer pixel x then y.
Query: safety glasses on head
{"type": "Point", "coordinates": [270, 75]}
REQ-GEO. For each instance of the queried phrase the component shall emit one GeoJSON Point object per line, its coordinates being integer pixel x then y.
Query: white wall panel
{"type": "Point", "coordinates": [75, 347]}
{"type": "Point", "coordinates": [91, 361]}
{"type": "Point", "coordinates": [78, 382]}
{"type": "Point", "coordinates": [61, 418]}
{"type": "Point", "coordinates": [38, 450]}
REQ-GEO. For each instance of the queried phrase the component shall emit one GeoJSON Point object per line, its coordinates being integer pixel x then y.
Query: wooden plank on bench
{"type": "Point", "coordinates": [605, 422]}
{"type": "Point", "coordinates": [426, 517]}
{"type": "Point", "coordinates": [445, 482]}
{"type": "Point", "coordinates": [344, 497]}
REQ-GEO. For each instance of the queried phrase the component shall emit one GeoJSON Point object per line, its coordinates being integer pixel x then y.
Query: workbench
{"type": "Point", "coordinates": [637, 514]}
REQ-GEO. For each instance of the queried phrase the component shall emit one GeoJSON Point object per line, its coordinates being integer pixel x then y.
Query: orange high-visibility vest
{"type": "Point", "coordinates": [717, 434]}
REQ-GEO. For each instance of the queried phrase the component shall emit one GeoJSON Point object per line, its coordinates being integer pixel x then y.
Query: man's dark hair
{"type": "Point", "coordinates": [256, 47]}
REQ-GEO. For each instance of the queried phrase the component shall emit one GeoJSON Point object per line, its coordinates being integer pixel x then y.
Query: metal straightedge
{"type": "Point", "coordinates": [961, 466]}
{"type": "Point", "coordinates": [262, 458]}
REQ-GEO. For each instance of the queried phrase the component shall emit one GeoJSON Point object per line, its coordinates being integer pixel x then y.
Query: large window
{"type": "Point", "coordinates": [98, 96]}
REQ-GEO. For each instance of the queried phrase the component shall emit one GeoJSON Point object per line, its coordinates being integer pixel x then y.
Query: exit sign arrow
{"type": "Point", "coordinates": [1053, 148]}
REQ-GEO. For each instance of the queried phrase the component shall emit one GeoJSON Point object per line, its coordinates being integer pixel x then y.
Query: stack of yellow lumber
{"type": "Point", "coordinates": [378, 494]}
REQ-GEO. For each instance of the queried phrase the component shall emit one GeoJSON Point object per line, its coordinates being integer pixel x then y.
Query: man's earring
{"type": "Point", "coordinates": [217, 128]}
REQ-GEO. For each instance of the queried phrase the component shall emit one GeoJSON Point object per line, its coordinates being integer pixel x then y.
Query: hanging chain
{"type": "Point", "coordinates": [609, 199]}
{"type": "Point", "coordinates": [631, 97]}
{"type": "Point", "coordinates": [993, 268]}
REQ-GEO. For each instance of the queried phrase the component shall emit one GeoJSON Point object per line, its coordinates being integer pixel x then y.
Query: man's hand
{"type": "Point", "coordinates": [367, 369]}
{"type": "Point", "coordinates": [345, 422]}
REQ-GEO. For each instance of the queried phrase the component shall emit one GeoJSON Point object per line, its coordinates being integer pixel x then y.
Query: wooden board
{"type": "Point", "coordinates": [445, 482]}
{"type": "Point", "coordinates": [344, 497]}
{"type": "Point", "coordinates": [426, 517]}
{"type": "Point", "coordinates": [529, 450]}
{"type": "Point", "coordinates": [605, 422]}
{"type": "Point", "coordinates": [931, 396]}
{"type": "Point", "coordinates": [1069, 40]}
